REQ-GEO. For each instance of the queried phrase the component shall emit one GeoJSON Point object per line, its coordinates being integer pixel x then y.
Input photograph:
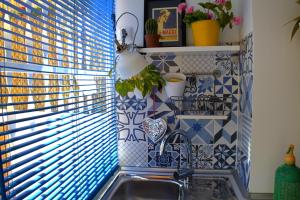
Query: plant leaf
{"type": "Point", "coordinates": [293, 20]}
{"type": "Point", "coordinates": [295, 29]}
{"type": "Point", "coordinates": [208, 5]}
{"type": "Point", "coordinates": [298, 1]}
{"type": "Point", "coordinates": [228, 5]}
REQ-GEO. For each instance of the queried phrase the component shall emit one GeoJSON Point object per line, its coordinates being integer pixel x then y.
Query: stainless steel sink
{"type": "Point", "coordinates": [158, 184]}
{"type": "Point", "coordinates": [140, 188]}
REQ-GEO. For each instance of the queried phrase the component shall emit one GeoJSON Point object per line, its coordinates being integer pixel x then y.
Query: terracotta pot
{"type": "Point", "coordinates": [152, 40]}
{"type": "Point", "coordinates": [206, 33]}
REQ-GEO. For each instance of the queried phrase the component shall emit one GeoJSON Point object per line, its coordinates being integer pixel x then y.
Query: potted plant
{"type": "Point", "coordinates": [175, 84]}
{"type": "Point", "coordinates": [207, 21]}
{"type": "Point", "coordinates": [151, 37]}
{"type": "Point", "coordinates": [141, 84]}
{"type": "Point", "coordinates": [297, 24]}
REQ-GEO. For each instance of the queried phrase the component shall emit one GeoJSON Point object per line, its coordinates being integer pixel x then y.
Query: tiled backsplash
{"type": "Point", "coordinates": [215, 142]}
{"type": "Point", "coordinates": [245, 108]}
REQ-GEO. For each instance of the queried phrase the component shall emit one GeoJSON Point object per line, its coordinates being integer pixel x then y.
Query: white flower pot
{"type": "Point", "coordinates": [175, 88]}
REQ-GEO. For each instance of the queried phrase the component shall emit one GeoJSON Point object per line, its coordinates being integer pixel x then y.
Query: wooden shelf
{"type": "Point", "coordinates": [191, 50]}
{"type": "Point", "coordinates": [202, 117]}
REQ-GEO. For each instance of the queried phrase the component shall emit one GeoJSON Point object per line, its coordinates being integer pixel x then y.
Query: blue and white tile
{"type": "Point", "coordinates": [133, 154]}
{"type": "Point", "coordinates": [198, 64]}
{"type": "Point", "coordinates": [164, 62]}
{"type": "Point", "coordinates": [127, 102]}
{"type": "Point", "coordinates": [225, 131]}
{"type": "Point", "coordinates": [130, 126]}
{"type": "Point", "coordinates": [224, 156]}
{"type": "Point", "coordinates": [246, 55]}
{"type": "Point", "coordinates": [161, 107]}
{"type": "Point", "coordinates": [197, 85]}
{"type": "Point", "coordinates": [227, 85]}
{"type": "Point", "coordinates": [202, 156]}
{"type": "Point", "coordinates": [246, 88]}
{"type": "Point", "coordinates": [199, 131]}
{"type": "Point", "coordinates": [170, 158]}
{"type": "Point", "coordinates": [228, 64]}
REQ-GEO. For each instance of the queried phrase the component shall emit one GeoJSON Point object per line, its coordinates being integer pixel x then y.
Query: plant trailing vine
{"type": "Point", "coordinates": [145, 81]}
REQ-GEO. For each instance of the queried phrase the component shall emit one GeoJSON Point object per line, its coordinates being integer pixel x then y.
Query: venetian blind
{"type": "Point", "coordinates": [58, 122]}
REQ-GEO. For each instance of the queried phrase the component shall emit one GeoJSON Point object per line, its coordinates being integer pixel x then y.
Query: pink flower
{"type": "Point", "coordinates": [222, 2]}
{"type": "Point", "coordinates": [189, 10]}
{"type": "Point", "coordinates": [181, 7]}
{"type": "Point", "coordinates": [210, 15]}
{"type": "Point", "coordinates": [237, 20]}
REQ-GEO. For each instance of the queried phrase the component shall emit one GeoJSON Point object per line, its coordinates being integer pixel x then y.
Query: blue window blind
{"type": "Point", "coordinates": [58, 133]}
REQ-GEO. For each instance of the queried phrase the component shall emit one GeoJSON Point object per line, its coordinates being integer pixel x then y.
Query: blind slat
{"type": "Point", "coordinates": [58, 133]}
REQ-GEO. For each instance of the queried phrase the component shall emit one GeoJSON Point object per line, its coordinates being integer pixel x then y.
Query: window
{"type": "Point", "coordinates": [58, 134]}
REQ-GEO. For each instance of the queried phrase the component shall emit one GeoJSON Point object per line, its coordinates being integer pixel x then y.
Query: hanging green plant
{"type": "Point", "coordinates": [145, 81]}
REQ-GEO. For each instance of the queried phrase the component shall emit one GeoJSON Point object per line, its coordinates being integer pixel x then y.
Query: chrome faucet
{"type": "Point", "coordinates": [181, 174]}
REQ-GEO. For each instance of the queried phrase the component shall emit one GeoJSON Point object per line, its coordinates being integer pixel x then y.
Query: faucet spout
{"type": "Point", "coordinates": [186, 140]}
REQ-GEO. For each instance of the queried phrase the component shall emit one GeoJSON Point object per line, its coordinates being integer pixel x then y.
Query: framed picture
{"type": "Point", "coordinates": [170, 26]}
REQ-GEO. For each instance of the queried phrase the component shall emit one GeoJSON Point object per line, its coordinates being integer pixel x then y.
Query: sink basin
{"type": "Point", "coordinates": [146, 189]}
{"type": "Point", "coordinates": [158, 184]}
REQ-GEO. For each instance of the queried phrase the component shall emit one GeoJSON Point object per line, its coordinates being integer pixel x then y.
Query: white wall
{"type": "Point", "coordinates": [247, 15]}
{"type": "Point", "coordinates": [276, 93]}
{"type": "Point", "coordinates": [137, 8]}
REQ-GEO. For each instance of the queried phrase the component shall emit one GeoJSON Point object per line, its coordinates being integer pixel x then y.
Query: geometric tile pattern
{"type": "Point", "coordinates": [133, 154]}
{"type": "Point", "coordinates": [170, 158]}
{"type": "Point", "coordinates": [228, 64]}
{"type": "Point", "coordinates": [165, 63]}
{"type": "Point", "coordinates": [199, 131]}
{"type": "Point", "coordinates": [214, 142]}
{"type": "Point", "coordinates": [246, 55]}
{"type": "Point", "coordinates": [198, 64]}
{"type": "Point", "coordinates": [224, 156]}
{"type": "Point", "coordinates": [203, 156]}
{"type": "Point", "coordinates": [197, 85]}
{"type": "Point", "coordinates": [130, 126]}
{"type": "Point", "coordinates": [227, 85]}
{"type": "Point", "coordinates": [245, 110]}
{"type": "Point", "coordinates": [125, 103]}
{"type": "Point", "coordinates": [246, 88]}
{"type": "Point", "coordinates": [225, 131]}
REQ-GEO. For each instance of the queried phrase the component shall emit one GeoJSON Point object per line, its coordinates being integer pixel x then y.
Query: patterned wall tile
{"type": "Point", "coordinates": [225, 131]}
{"type": "Point", "coordinates": [246, 55]}
{"type": "Point", "coordinates": [198, 85]}
{"type": "Point", "coordinates": [198, 64]}
{"type": "Point", "coordinates": [170, 158]}
{"type": "Point", "coordinates": [246, 88]}
{"type": "Point", "coordinates": [164, 62]}
{"type": "Point", "coordinates": [199, 131]}
{"type": "Point", "coordinates": [228, 64]}
{"type": "Point", "coordinates": [224, 156]}
{"type": "Point", "coordinates": [161, 107]}
{"type": "Point", "coordinates": [245, 108]}
{"type": "Point", "coordinates": [130, 126]}
{"type": "Point", "coordinates": [133, 154]}
{"type": "Point", "coordinates": [227, 85]}
{"type": "Point", "coordinates": [214, 141]}
{"type": "Point", "coordinates": [203, 156]}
